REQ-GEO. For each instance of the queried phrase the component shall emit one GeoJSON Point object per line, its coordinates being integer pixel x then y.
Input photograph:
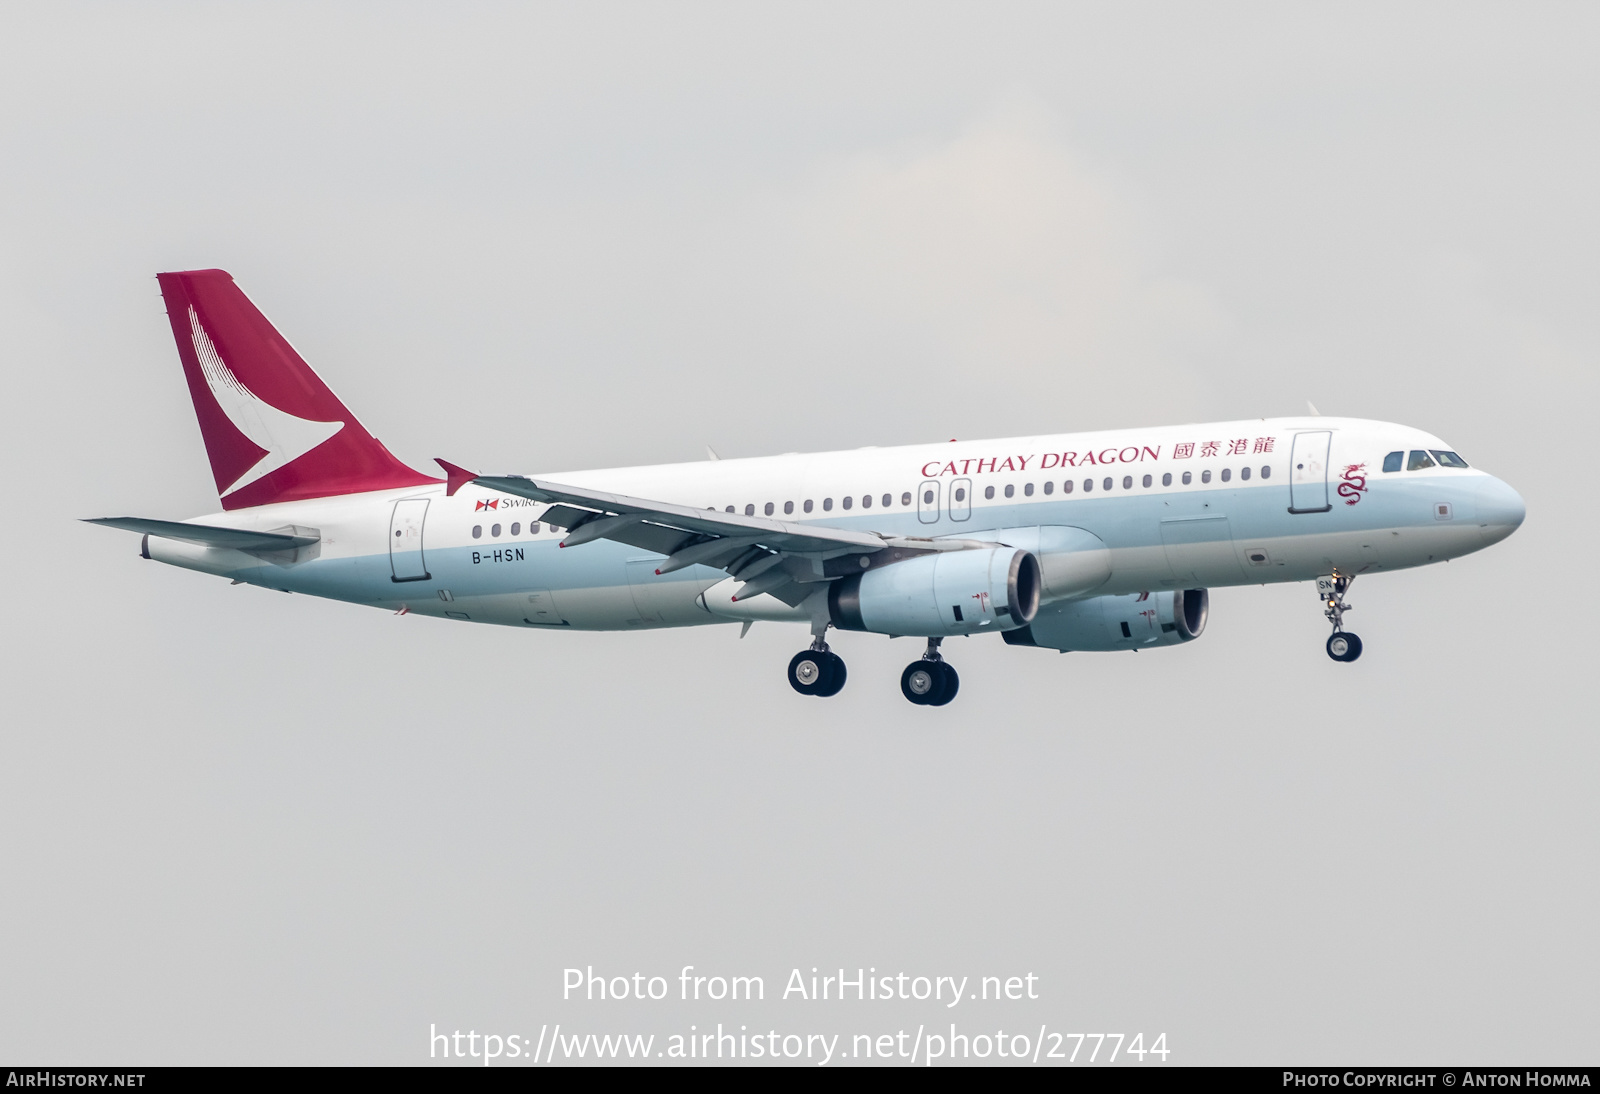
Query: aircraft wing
{"type": "Point", "coordinates": [770, 556]}
{"type": "Point", "coordinates": [239, 539]}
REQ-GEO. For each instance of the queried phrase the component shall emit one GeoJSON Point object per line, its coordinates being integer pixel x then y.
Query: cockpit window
{"type": "Point", "coordinates": [1419, 460]}
{"type": "Point", "coordinates": [1393, 460]}
{"type": "Point", "coordinates": [1448, 459]}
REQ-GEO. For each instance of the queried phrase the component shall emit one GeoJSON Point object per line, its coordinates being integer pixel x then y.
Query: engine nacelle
{"type": "Point", "coordinates": [1131, 622]}
{"type": "Point", "coordinates": [952, 592]}
{"type": "Point", "coordinates": [1072, 561]}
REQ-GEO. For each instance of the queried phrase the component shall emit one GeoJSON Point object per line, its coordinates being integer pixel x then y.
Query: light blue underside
{"type": "Point", "coordinates": [1121, 520]}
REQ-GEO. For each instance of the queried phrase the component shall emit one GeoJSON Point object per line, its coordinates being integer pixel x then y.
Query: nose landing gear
{"type": "Point", "coordinates": [930, 682]}
{"type": "Point", "coordinates": [817, 671]}
{"type": "Point", "coordinates": [1342, 645]}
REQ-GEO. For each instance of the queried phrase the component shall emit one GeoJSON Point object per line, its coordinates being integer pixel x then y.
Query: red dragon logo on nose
{"type": "Point", "coordinates": [1354, 483]}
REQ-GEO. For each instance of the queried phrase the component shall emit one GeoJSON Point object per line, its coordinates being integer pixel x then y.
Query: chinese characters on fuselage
{"type": "Point", "coordinates": [976, 465]}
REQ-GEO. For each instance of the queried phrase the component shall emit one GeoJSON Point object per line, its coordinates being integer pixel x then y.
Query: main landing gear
{"type": "Point", "coordinates": [930, 682]}
{"type": "Point", "coordinates": [817, 671]}
{"type": "Point", "coordinates": [1342, 645]}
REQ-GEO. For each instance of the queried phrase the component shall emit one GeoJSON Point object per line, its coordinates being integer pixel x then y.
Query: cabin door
{"type": "Point", "coordinates": [1308, 473]}
{"type": "Point", "coordinates": [405, 540]}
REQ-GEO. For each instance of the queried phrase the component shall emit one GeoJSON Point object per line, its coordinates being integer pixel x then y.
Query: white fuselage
{"type": "Point", "coordinates": [1229, 503]}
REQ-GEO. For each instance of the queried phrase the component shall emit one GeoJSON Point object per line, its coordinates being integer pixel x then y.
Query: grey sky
{"type": "Point", "coordinates": [240, 826]}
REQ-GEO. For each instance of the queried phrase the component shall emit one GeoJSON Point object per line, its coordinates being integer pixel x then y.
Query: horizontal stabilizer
{"type": "Point", "coordinates": [239, 539]}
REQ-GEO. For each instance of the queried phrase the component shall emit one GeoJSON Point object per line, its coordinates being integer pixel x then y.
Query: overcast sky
{"type": "Point", "coordinates": [239, 826]}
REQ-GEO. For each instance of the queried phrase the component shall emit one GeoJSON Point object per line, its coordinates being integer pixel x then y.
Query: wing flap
{"type": "Point", "coordinates": [652, 537]}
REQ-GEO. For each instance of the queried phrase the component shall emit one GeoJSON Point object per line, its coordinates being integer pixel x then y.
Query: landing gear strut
{"type": "Point", "coordinates": [817, 671]}
{"type": "Point", "coordinates": [1342, 645]}
{"type": "Point", "coordinates": [930, 682]}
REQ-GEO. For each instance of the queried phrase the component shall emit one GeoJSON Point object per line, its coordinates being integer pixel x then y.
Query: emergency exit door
{"type": "Point", "coordinates": [1308, 473]}
{"type": "Point", "coordinates": [960, 499]}
{"type": "Point", "coordinates": [405, 540]}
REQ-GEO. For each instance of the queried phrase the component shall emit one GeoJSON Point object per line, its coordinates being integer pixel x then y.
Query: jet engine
{"type": "Point", "coordinates": [952, 592]}
{"type": "Point", "coordinates": [1131, 622]}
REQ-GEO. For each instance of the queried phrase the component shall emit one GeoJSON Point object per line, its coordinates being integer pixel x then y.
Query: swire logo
{"type": "Point", "coordinates": [492, 503]}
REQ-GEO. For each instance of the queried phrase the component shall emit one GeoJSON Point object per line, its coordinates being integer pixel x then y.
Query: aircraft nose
{"type": "Point", "coordinates": [1500, 510]}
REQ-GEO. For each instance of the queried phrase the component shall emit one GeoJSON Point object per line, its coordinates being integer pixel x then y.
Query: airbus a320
{"type": "Point", "coordinates": [1073, 542]}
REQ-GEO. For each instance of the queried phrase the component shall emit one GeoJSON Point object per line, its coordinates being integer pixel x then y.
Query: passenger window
{"type": "Point", "coordinates": [768, 508]}
{"type": "Point", "coordinates": [927, 497]}
{"type": "Point", "coordinates": [1205, 476]}
{"type": "Point", "coordinates": [1088, 485]}
{"type": "Point", "coordinates": [477, 531]}
{"type": "Point", "coordinates": [807, 505]}
{"type": "Point", "coordinates": [849, 501]}
{"type": "Point", "coordinates": [1418, 461]}
{"type": "Point", "coordinates": [1066, 487]}
{"type": "Point", "coordinates": [1188, 477]}
{"type": "Point", "coordinates": [1148, 480]}
{"type": "Point", "coordinates": [1392, 461]}
{"type": "Point", "coordinates": [827, 505]}
{"type": "Point", "coordinates": [1266, 471]}
{"type": "Point", "coordinates": [750, 509]}
{"type": "Point", "coordinates": [1166, 480]}
{"type": "Point", "coordinates": [905, 499]}
{"type": "Point", "coordinates": [495, 531]}
{"type": "Point", "coordinates": [729, 509]}
{"type": "Point", "coordinates": [866, 501]}
{"type": "Point", "coordinates": [553, 528]}
{"type": "Point", "coordinates": [1106, 485]}
{"type": "Point", "coordinates": [888, 499]}
{"type": "Point", "coordinates": [516, 528]}
{"type": "Point", "coordinates": [988, 493]}
{"type": "Point", "coordinates": [1050, 487]}
{"type": "Point", "coordinates": [1127, 482]}
{"type": "Point", "coordinates": [1028, 490]}
{"type": "Point", "coordinates": [961, 494]}
{"type": "Point", "coordinates": [1227, 473]}
{"type": "Point", "coordinates": [788, 507]}
{"type": "Point", "coordinates": [1010, 490]}
{"type": "Point", "coordinates": [1448, 459]}
{"type": "Point", "coordinates": [1244, 473]}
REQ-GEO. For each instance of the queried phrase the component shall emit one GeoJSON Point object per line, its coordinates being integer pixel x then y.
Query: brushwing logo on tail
{"type": "Point", "coordinates": [285, 437]}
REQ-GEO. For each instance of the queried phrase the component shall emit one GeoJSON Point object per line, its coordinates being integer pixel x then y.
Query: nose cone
{"type": "Point", "coordinates": [1500, 510]}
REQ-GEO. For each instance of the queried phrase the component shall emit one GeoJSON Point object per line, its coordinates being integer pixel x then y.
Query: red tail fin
{"type": "Point", "coordinates": [272, 428]}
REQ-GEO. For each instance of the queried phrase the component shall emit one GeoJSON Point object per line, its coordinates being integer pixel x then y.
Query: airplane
{"type": "Point", "coordinates": [1098, 541]}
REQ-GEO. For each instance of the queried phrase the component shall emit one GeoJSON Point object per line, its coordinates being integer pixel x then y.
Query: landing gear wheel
{"type": "Point", "coordinates": [1344, 646]}
{"type": "Point", "coordinates": [920, 682]}
{"type": "Point", "coordinates": [948, 686]}
{"type": "Point", "coordinates": [929, 683]}
{"type": "Point", "coordinates": [816, 672]}
{"type": "Point", "coordinates": [836, 675]}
